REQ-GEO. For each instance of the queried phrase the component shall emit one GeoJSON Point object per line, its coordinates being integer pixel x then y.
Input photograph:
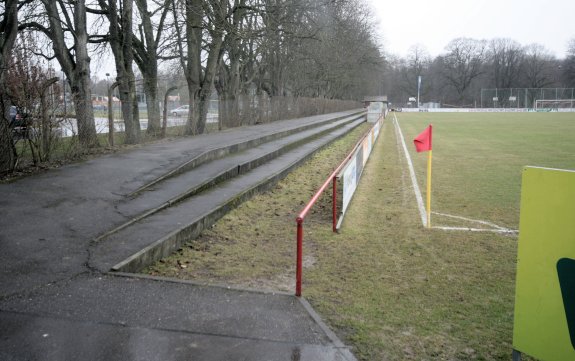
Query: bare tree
{"type": "Point", "coordinates": [569, 65]}
{"type": "Point", "coordinates": [146, 55]}
{"type": "Point", "coordinates": [238, 49]}
{"type": "Point", "coordinates": [538, 66]}
{"type": "Point", "coordinates": [64, 24]}
{"type": "Point", "coordinates": [33, 89]}
{"type": "Point", "coordinates": [463, 63]}
{"type": "Point", "coordinates": [120, 17]}
{"type": "Point", "coordinates": [201, 18]}
{"type": "Point", "coordinates": [505, 57]}
{"type": "Point", "coordinates": [415, 65]}
{"type": "Point", "coordinates": [8, 32]}
{"type": "Point", "coordinates": [327, 50]}
{"type": "Point", "coordinates": [279, 34]}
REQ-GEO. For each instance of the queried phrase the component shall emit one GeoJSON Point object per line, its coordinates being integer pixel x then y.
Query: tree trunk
{"type": "Point", "coordinates": [45, 121]}
{"type": "Point", "coordinates": [121, 44]}
{"type": "Point", "coordinates": [81, 90]}
{"type": "Point", "coordinates": [208, 80]}
{"type": "Point", "coordinates": [128, 102]}
{"type": "Point", "coordinates": [193, 68]}
{"type": "Point", "coordinates": [7, 150]}
{"type": "Point", "coordinates": [76, 66]}
{"type": "Point", "coordinates": [190, 128]}
{"type": "Point", "coordinates": [146, 58]}
{"type": "Point", "coordinates": [82, 98]}
{"type": "Point", "coordinates": [228, 112]}
{"type": "Point", "coordinates": [7, 39]}
{"type": "Point", "coordinates": [230, 81]}
{"type": "Point", "coordinates": [152, 102]}
{"type": "Point", "coordinates": [203, 106]}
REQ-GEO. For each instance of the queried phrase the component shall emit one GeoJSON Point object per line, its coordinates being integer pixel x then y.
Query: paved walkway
{"type": "Point", "coordinates": [58, 301]}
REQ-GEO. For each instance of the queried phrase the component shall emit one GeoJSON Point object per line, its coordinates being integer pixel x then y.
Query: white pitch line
{"type": "Point", "coordinates": [418, 197]}
{"type": "Point", "coordinates": [475, 221]}
{"type": "Point", "coordinates": [507, 231]}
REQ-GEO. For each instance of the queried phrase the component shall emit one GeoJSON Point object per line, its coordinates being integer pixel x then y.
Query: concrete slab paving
{"type": "Point", "coordinates": [153, 304]}
{"type": "Point", "coordinates": [57, 339]}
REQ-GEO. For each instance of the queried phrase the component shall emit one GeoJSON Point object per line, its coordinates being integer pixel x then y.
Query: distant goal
{"type": "Point", "coordinates": [554, 104]}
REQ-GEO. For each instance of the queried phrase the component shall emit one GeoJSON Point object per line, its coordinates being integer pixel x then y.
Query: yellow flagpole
{"type": "Point", "coordinates": [429, 189]}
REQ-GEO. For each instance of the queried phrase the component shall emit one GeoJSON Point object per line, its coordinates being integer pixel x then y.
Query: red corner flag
{"type": "Point", "coordinates": [423, 140]}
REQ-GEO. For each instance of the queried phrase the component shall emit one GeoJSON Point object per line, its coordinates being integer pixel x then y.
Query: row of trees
{"type": "Point", "coordinates": [297, 48]}
{"type": "Point", "coordinates": [468, 65]}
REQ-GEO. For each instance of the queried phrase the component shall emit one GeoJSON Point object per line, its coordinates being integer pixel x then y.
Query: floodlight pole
{"type": "Point", "coordinates": [418, 88]}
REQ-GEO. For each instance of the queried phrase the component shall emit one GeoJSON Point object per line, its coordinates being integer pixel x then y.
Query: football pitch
{"type": "Point", "coordinates": [478, 159]}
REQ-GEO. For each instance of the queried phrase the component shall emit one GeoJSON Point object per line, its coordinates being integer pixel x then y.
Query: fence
{"type": "Point", "coordinates": [222, 114]}
{"type": "Point", "coordinates": [522, 97]}
{"type": "Point", "coordinates": [255, 109]}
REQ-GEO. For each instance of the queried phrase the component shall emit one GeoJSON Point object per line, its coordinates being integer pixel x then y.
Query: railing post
{"type": "Point", "coordinates": [165, 112]}
{"type": "Point", "coordinates": [299, 261]}
{"type": "Point", "coordinates": [111, 113]}
{"type": "Point", "coordinates": [334, 205]}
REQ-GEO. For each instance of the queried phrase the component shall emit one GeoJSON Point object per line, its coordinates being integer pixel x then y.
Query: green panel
{"type": "Point", "coordinates": [546, 253]}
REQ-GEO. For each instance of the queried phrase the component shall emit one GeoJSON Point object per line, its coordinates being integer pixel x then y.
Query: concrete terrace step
{"type": "Point", "coordinates": [177, 187]}
{"type": "Point", "coordinates": [152, 238]}
{"type": "Point", "coordinates": [240, 144]}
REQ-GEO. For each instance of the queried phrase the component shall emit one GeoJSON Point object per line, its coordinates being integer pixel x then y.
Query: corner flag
{"type": "Point", "coordinates": [423, 144]}
{"type": "Point", "coordinates": [423, 140]}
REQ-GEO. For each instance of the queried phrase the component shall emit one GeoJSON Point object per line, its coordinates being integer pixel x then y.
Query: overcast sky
{"type": "Point", "coordinates": [434, 23]}
{"type": "Point", "coordinates": [404, 23]}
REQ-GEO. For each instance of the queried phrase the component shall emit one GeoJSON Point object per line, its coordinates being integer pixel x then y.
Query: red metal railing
{"type": "Point", "coordinates": [301, 216]}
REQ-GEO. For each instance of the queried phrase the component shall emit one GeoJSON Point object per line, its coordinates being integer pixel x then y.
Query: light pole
{"type": "Point", "coordinates": [64, 91]}
{"type": "Point", "coordinates": [418, 89]}
{"type": "Point", "coordinates": [108, 86]}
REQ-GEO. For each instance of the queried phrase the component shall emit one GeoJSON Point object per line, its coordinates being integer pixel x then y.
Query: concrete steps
{"type": "Point", "coordinates": [167, 213]}
{"type": "Point", "coordinates": [221, 151]}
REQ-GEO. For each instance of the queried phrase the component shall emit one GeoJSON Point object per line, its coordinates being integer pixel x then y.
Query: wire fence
{"type": "Point", "coordinates": [249, 110]}
{"type": "Point", "coordinates": [221, 114]}
{"type": "Point", "coordinates": [522, 97]}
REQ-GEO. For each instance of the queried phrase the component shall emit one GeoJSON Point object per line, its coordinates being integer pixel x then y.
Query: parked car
{"type": "Point", "coordinates": [17, 118]}
{"type": "Point", "coordinates": [13, 112]}
{"type": "Point", "coordinates": [20, 123]}
{"type": "Point", "coordinates": [183, 110]}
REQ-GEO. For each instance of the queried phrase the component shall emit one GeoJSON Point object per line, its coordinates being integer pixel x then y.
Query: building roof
{"type": "Point", "coordinates": [379, 98]}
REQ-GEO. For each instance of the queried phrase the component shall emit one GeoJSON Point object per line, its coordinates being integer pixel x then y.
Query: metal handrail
{"type": "Point", "coordinates": [301, 216]}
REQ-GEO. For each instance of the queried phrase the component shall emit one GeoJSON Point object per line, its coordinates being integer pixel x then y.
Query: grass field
{"type": "Point", "coordinates": [390, 288]}
{"type": "Point", "coordinates": [478, 158]}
